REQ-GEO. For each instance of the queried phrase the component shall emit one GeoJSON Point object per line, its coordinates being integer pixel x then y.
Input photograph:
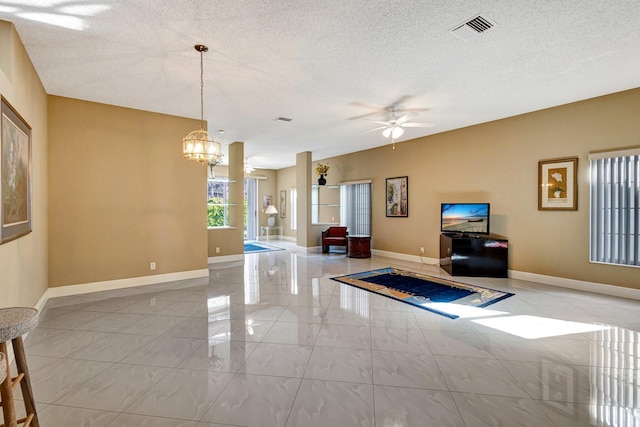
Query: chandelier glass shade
{"type": "Point", "coordinates": [202, 148]}
{"type": "Point", "coordinates": [198, 145]}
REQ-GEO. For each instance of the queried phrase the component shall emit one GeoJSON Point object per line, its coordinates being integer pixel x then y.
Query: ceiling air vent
{"type": "Point", "coordinates": [472, 28]}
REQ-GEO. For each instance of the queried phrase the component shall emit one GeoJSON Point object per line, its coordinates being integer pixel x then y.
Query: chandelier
{"type": "Point", "coordinates": [198, 145]}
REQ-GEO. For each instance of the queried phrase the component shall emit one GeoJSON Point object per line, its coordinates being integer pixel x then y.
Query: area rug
{"type": "Point", "coordinates": [423, 291]}
{"type": "Point", "coordinates": [254, 247]}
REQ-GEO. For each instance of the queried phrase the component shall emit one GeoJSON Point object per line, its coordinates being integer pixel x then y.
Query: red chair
{"type": "Point", "coordinates": [334, 236]}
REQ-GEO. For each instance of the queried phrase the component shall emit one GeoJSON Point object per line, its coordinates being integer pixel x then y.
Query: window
{"type": "Point", "coordinates": [218, 202]}
{"type": "Point", "coordinates": [615, 207]}
{"type": "Point", "coordinates": [355, 207]}
{"type": "Point", "coordinates": [293, 208]}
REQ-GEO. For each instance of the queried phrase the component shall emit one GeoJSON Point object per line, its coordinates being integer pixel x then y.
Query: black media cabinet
{"type": "Point", "coordinates": [477, 256]}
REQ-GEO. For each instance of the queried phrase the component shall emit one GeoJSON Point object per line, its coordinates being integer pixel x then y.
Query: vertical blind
{"type": "Point", "coordinates": [615, 207]}
{"type": "Point", "coordinates": [251, 195]}
{"type": "Point", "coordinates": [355, 208]}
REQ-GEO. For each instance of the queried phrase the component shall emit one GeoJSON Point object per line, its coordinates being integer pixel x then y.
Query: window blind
{"type": "Point", "coordinates": [615, 207]}
{"type": "Point", "coordinates": [355, 208]}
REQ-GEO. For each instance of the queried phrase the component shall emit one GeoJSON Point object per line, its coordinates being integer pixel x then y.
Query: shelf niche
{"type": "Point", "coordinates": [325, 204]}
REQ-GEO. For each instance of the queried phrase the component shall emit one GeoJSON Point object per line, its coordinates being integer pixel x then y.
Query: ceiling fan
{"type": "Point", "coordinates": [394, 128]}
{"type": "Point", "coordinates": [397, 106]}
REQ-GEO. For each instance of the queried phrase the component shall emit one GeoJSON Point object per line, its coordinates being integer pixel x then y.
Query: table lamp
{"type": "Point", "coordinates": [271, 210]}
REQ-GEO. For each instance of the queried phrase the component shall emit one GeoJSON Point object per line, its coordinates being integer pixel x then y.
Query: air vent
{"type": "Point", "coordinates": [282, 119]}
{"type": "Point", "coordinates": [472, 28]}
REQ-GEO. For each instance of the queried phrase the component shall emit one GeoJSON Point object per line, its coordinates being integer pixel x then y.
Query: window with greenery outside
{"type": "Point", "coordinates": [218, 203]}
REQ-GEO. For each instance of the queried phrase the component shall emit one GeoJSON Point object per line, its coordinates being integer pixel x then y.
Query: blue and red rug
{"type": "Point", "coordinates": [423, 291]}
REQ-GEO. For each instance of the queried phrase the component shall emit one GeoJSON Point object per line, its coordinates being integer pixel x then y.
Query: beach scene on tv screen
{"type": "Point", "coordinates": [460, 218]}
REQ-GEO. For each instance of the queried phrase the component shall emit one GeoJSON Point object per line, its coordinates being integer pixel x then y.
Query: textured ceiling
{"type": "Point", "coordinates": [325, 64]}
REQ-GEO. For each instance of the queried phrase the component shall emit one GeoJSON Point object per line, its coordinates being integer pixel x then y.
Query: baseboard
{"type": "Point", "coordinates": [225, 258]}
{"type": "Point", "coordinates": [85, 288]}
{"type": "Point", "coordinates": [561, 282]}
{"type": "Point", "coordinates": [406, 257]}
{"type": "Point", "coordinates": [578, 285]}
{"type": "Point", "coordinates": [42, 301]}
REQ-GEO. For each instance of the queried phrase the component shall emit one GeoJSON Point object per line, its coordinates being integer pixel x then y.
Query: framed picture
{"type": "Point", "coordinates": [397, 197]}
{"type": "Point", "coordinates": [15, 174]}
{"type": "Point", "coordinates": [557, 184]}
{"type": "Point", "coordinates": [266, 201]}
{"type": "Point", "coordinates": [283, 203]}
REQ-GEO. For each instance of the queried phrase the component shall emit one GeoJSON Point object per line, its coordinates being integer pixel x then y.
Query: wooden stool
{"type": "Point", "coordinates": [15, 322]}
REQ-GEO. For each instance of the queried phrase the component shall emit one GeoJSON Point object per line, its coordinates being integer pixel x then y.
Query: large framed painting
{"type": "Point", "coordinates": [397, 196]}
{"type": "Point", "coordinates": [15, 174]}
{"type": "Point", "coordinates": [557, 184]}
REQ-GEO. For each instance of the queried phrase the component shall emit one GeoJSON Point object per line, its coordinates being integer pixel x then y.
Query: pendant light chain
{"type": "Point", "coordinates": [201, 90]}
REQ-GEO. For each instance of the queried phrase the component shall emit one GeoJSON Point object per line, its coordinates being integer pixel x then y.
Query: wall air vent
{"type": "Point", "coordinates": [471, 28]}
{"type": "Point", "coordinates": [282, 119]}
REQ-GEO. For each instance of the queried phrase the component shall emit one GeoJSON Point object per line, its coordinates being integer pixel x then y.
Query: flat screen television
{"type": "Point", "coordinates": [464, 218]}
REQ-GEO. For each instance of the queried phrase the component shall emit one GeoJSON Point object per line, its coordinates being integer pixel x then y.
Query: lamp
{"type": "Point", "coordinates": [198, 145]}
{"type": "Point", "coordinates": [271, 210]}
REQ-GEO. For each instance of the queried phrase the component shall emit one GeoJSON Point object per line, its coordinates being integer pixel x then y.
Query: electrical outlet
{"type": "Point", "coordinates": [152, 266]}
{"type": "Point", "coordinates": [217, 249]}
{"type": "Point", "coordinates": [421, 250]}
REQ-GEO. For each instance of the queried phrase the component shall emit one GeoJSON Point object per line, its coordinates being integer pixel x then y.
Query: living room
{"type": "Point", "coordinates": [83, 197]}
{"type": "Point", "coordinates": [111, 193]}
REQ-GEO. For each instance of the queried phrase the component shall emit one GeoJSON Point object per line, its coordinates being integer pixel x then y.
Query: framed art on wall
{"type": "Point", "coordinates": [283, 203]}
{"type": "Point", "coordinates": [397, 196]}
{"type": "Point", "coordinates": [15, 174]}
{"type": "Point", "coordinates": [557, 184]}
{"type": "Point", "coordinates": [266, 201]}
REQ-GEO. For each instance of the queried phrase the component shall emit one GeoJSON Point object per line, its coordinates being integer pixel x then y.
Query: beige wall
{"type": "Point", "coordinates": [306, 236]}
{"type": "Point", "coordinates": [23, 262]}
{"type": "Point", "coordinates": [121, 195]}
{"type": "Point", "coordinates": [497, 162]}
{"type": "Point", "coordinates": [267, 187]}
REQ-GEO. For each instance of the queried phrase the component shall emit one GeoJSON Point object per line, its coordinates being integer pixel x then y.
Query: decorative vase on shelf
{"type": "Point", "coordinates": [321, 180]}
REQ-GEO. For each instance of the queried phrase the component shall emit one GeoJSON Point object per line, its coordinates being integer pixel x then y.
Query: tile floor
{"type": "Point", "coordinates": [275, 342]}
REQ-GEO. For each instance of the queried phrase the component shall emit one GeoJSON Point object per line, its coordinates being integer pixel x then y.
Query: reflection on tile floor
{"type": "Point", "coordinates": [274, 342]}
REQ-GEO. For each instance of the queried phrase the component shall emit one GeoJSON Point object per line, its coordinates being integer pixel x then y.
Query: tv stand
{"type": "Point", "coordinates": [475, 256]}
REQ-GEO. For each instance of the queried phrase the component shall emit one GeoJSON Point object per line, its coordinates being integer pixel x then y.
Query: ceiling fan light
{"type": "Point", "coordinates": [248, 167]}
{"type": "Point", "coordinates": [397, 132]}
{"type": "Point", "coordinates": [387, 132]}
